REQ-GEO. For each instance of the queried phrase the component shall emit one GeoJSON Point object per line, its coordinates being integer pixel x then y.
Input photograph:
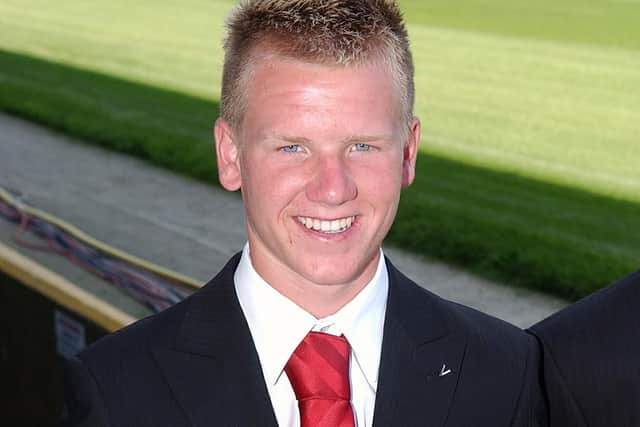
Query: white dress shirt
{"type": "Point", "coordinates": [278, 325]}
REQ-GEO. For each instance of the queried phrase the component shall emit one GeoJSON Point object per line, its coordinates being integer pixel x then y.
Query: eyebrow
{"type": "Point", "coordinates": [350, 139]}
{"type": "Point", "coordinates": [366, 138]}
{"type": "Point", "coordinates": [293, 139]}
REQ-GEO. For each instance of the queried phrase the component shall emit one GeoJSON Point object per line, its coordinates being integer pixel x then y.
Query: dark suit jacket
{"type": "Point", "coordinates": [592, 358]}
{"type": "Point", "coordinates": [195, 365]}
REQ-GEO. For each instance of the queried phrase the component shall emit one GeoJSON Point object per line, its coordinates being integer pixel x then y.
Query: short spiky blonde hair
{"type": "Point", "coordinates": [332, 32]}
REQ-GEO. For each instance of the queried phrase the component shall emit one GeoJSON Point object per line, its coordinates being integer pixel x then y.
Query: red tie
{"type": "Point", "coordinates": [319, 374]}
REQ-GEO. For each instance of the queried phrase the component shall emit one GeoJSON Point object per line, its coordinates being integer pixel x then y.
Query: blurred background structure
{"type": "Point", "coordinates": [529, 173]}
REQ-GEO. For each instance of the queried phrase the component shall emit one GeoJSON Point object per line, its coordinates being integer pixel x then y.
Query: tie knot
{"type": "Point", "coordinates": [319, 367]}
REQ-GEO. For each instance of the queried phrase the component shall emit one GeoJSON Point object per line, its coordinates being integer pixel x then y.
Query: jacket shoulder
{"type": "Point", "coordinates": [161, 329]}
{"type": "Point", "coordinates": [488, 353]}
{"type": "Point", "coordinates": [481, 328]}
{"type": "Point", "coordinates": [590, 351]}
{"type": "Point", "coordinates": [134, 340]}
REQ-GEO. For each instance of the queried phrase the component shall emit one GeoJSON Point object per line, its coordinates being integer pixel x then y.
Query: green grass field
{"type": "Point", "coordinates": [530, 170]}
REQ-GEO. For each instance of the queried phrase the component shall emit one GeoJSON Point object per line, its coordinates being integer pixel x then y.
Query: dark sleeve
{"type": "Point", "coordinates": [83, 403]}
{"type": "Point", "coordinates": [563, 409]}
{"type": "Point", "coordinates": [591, 358]}
{"type": "Point", "coordinates": [532, 410]}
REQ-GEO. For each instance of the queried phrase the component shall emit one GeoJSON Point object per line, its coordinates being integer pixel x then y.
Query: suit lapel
{"type": "Point", "coordinates": [213, 368]}
{"type": "Point", "coordinates": [421, 358]}
{"type": "Point", "coordinates": [214, 371]}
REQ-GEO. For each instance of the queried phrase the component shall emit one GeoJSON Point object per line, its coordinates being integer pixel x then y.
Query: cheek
{"type": "Point", "coordinates": [270, 187]}
{"type": "Point", "coordinates": [381, 179]}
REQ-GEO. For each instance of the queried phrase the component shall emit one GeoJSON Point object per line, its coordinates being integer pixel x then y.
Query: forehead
{"type": "Point", "coordinates": [281, 88]}
{"type": "Point", "coordinates": [268, 72]}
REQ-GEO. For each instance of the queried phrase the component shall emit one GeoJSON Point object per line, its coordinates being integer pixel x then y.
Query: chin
{"type": "Point", "coordinates": [333, 275]}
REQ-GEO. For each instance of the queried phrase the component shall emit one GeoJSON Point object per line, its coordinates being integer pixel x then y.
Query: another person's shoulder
{"type": "Point", "coordinates": [603, 326]}
{"type": "Point", "coordinates": [616, 304]}
{"type": "Point", "coordinates": [591, 351]}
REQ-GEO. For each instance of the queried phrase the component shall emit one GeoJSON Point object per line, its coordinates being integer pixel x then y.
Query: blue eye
{"type": "Point", "coordinates": [361, 146]}
{"type": "Point", "coordinates": [291, 148]}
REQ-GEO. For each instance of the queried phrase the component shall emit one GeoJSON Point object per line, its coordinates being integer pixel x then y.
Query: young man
{"type": "Point", "coordinates": [310, 325]}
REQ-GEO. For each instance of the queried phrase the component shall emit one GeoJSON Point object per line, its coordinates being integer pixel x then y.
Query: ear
{"type": "Point", "coordinates": [410, 153]}
{"type": "Point", "coordinates": [227, 156]}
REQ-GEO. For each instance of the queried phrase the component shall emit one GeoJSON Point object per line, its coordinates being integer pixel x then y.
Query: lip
{"type": "Point", "coordinates": [336, 235]}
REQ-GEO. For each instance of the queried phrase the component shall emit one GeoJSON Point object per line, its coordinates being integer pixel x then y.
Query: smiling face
{"type": "Point", "coordinates": [321, 156]}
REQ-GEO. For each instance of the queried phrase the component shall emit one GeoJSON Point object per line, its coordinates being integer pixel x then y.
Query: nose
{"type": "Point", "coordinates": [332, 182]}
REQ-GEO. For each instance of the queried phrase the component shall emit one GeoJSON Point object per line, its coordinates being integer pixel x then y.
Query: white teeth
{"type": "Point", "coordinates": [324, 226]}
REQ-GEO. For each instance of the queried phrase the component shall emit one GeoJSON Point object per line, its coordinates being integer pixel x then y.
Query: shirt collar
{"type": "Point", "coordinates": [278, 325]}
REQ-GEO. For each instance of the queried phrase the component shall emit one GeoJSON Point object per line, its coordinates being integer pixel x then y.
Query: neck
{"type": "Point", "coordinates": [322, 300]}
{"type": "Point", "coordinates": [318, 299]}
